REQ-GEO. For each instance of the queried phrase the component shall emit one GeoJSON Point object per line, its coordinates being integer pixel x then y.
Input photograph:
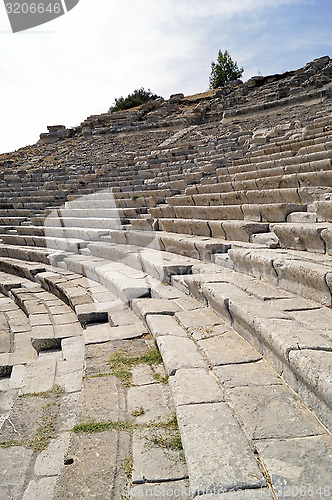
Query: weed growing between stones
{"type": "Point", "coordinates": [159, 378]}
{"type": "Point", "coordinates": [121, 363]}
{"type": "Point", "coordinates": [166, 435]}
{"type": "Point", "coordinates": [98, 375]}
{"type": "Point", "coordinates": [12, 442]}
{"type": "Point", "coordinates": [46, 431]}
{"type": "Point", "coordinates": [110, 425]}
{"type": "Point", "coordinates": [127, 465]}
{"type": "Point", "coordinates": [56, 391]}
{"type": "Point", "coordinates": [138, 412]}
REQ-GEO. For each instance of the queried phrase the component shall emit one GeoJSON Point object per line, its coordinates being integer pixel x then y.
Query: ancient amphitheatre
{"type": "Point", "coordinates": [165, 307]}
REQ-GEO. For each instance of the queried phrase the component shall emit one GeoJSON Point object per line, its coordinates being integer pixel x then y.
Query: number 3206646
{"type": "Point", "coordinates": [33, 8]}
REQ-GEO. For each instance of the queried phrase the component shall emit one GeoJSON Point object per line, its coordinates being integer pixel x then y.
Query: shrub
{"type": "Point", "coordinates": [138, 97]}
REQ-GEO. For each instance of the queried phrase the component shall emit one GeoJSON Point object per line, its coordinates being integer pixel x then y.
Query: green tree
{"type": "Point", "coordinates": [224, 70]}
{"type": "Point", "coordinates": [138, 97]}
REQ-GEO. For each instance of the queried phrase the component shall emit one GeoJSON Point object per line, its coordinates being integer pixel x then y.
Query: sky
{"type": "Point", "coordinates": [76, 65]}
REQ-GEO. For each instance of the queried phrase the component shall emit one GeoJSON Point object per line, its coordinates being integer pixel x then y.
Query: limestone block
{"type": "Point", "coordinates": [259, 264]}
{"type": "Point", "coordinates": [104, 333]}
{"type": "Point", "coordinates": [245, 184]}
{"type": "Point", "coordinates": [179, 244]}
{"type": "Point", "coordinates": [309, 179]}
{"type": "Point", "coordinates": [39, 376]}
{"type": "Point", "coordinates": [270, 212]}
{"type": "Point", "coordinates": [217, 295]}
{"type": "Point", "coordinates": [304, 278]}
{"type": "Point", "coordinates": [204, 318]}
{"type": "Point", "coordinates": [312, 194]}
{"type": "Point", "coordinates": [283, 336]}
{"type": "Point", "coordinates": [69, 374]}
{"type": "Point", "coordinates": [93, 313]}
{"type": "Point", "coordinates": [199, 227]}
{"type": "Point", "coordinates": [302, 217]}
{"type": "Point", "coordinates": [161, 325]}
{"type": "Point", "coordinates": [207, 199]}
{"type": "Point", "coordinates": [315, 369]}
{"type": "Point", "coordinates": [40, 489]}
{"type": "Point", "coordinates": [229, 348]}
{"type": "Point", "coordinates": [163, 265]}
{"type": "Point", "coordinates": [217, 452]}
{"type": "Point", "coordinates": [300, 236]}
{"type": "Point", "coordinates": [125, 287]}
{"type": "Point", "coordinates": [287, 195]}
{"type": "Point", "coordinates": [178, 352]}
{"type": "Point", "coordinates": [309, 457]}
{"type": "Point", "coordinates": [189, 212]}
{"type": "Point", "coordinates": [234, 198]}
{"type": "Point", "coordinates": [209, 247]}
{"type": "Point", "coordinates": [323, 210]}
{"type": "Point", "coordinates": [144, 307]}
{"type": "Point", "coordinates": [269, 240]}
{"type": "Point", "coordinates": [195, 385]}
{"type": "Point", "coordinates": [147, 239]}
{"type": "Point", "coordinates": [263, 408]}
{"type": "Point", "coordinates": [94, 464]}
{"type": "Point", "coordinates": [50, 461]}
{"type": "Point", "coordinates": [16, 463]}
{"type": "Point", "coordinates": [73, 348]}
{"type": "Point", "coordinates": [217, 230]}
{"type": "Point", "coordinates": [156, 401]}
{"type": "Point", "coordinates": [152, 463]}
{"type": "Point", "coordinates": [223, 212]}
{"type": "Point", "coordinates": [326, 235]}
{"type": "Point", "coordinates": [258, 373]}
{"type": "Point", "coordinates": [175, 226]}
{"type": "Point", "coordinates": [241, 230]}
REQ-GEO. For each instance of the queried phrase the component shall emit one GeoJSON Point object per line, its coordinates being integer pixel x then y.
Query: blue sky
{"type": "Point", "coordinates": [75, 66]}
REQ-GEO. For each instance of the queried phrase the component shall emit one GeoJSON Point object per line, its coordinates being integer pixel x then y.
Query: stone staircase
{"type": "Point", "coordinates": [216, 244]}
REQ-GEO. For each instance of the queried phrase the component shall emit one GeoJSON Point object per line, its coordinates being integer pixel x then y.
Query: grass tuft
{"type": "Point", "coordinates": [127, 465]}
{"type": "Point", "coordinates": [122, 363]}
{"type": "Point", "coordinates": [138, 412]}
{"type": "Point", "coordinates": [56, 391]}
{"type": "Point", "coordinates": [110, 425]}
{"type": "Point", "coordinates": [159, 378]}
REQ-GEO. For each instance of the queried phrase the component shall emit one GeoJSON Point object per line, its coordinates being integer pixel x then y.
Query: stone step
{"type": "Point", "coordinates": [119, 278]}
{"type": "Point", "coordinates": [304, 236]}
{"type": "Point", "coordinates": [304, 273]}
{"type": "Point", "coordinates": [232, 230]}
{"type": "Point", "coordinates": [274, 322]}
{"type": "Point", "coordinates": [196, 247]}
{"type": "Point", "coordinates": [33, 254]}
{"type": "Point", "coordinates": [161, 265]}
{"type": "Point", "coordinates": [65, 244]}
{"type": "Point", "coordinates": [258, 212]}
{"type": "Point", "coordinates": [281, 195]}
{"type": "Point", "coordinates": [323, 209]}
{"type": "Point", "coordinates": [65, 213]}
{"type": "Point", "coordinates": [80, 222]}
{"type": "Point", "coordinates": [12, 212]}
{"type": "Point", "coordinates": [209, 364]}
{"type": "Point", "coordinates": [87, 234]}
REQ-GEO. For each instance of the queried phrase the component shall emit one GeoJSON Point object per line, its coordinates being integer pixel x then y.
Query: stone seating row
{"type": "Point", "coordinates": [275, 323]}
{"type": "Point", "coordinates": [186, 364]}
{"type": "Point", "coordinates": [304, 338]}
